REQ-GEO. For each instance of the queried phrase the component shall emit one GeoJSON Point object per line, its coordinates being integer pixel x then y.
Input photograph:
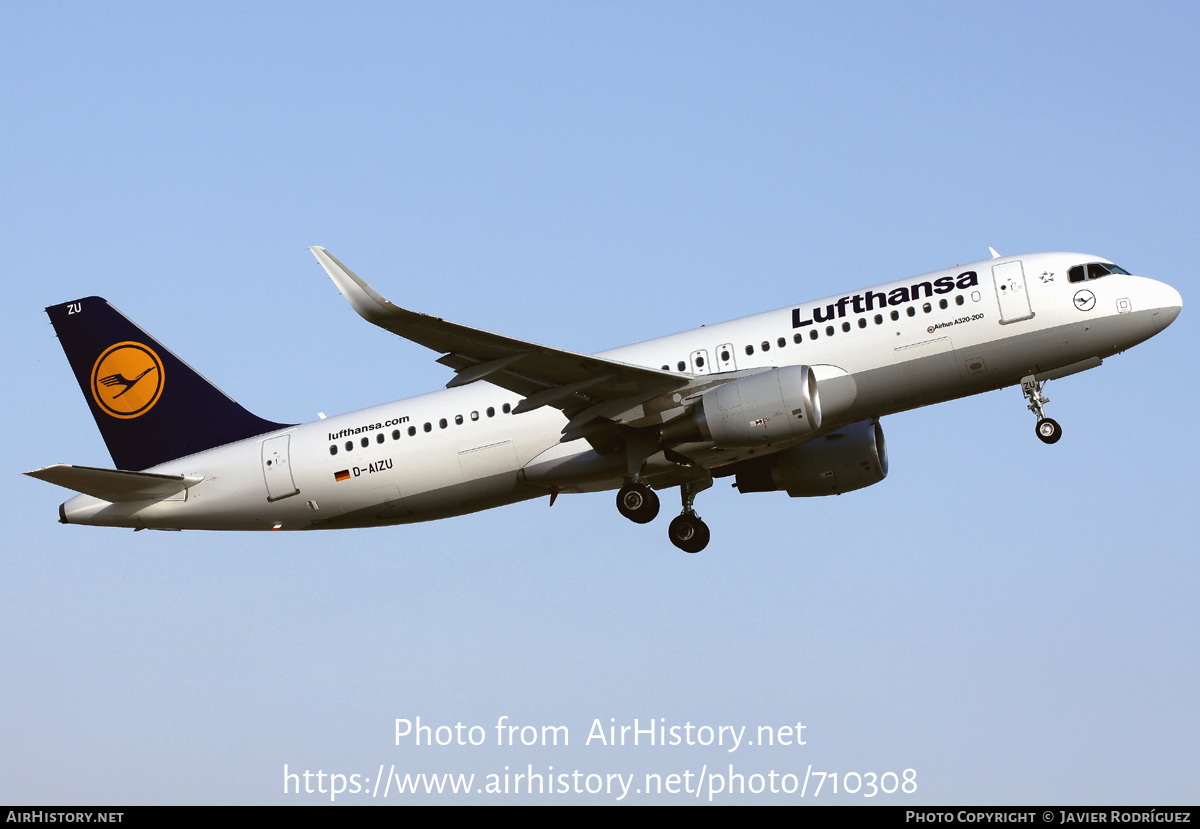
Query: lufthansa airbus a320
{"type": "Point", "coordinates": [785, 400]}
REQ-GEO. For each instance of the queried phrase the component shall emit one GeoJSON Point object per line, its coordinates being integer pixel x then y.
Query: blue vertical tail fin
{"type": "Point", "coordinates": [151, 406]}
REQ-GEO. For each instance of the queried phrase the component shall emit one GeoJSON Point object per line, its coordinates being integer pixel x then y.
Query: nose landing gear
{"type": "Point", "coordinates": [1047, 429]}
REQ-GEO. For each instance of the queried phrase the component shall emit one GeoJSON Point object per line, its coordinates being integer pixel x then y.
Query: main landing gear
{"type": "Point", "coordinates": [637, 502]}
{"type": "Point", "coordinates": [1048, 430]}
{"type": "Point", "coordinates": [687, 531]}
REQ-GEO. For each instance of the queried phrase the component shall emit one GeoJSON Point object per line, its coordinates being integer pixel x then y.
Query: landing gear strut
{"type": "Point", "coordinates": [1048, 430]}
{"type": "Point", "coordinates": [687, 531]}
{"type": "Point", "coordinates": [637, 501]}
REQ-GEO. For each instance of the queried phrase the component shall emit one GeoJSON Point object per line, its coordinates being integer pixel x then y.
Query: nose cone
{"type": "Point", "coordinates": [1169, 303]}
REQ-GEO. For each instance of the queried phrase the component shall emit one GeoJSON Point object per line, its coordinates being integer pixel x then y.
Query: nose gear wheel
{"type": "Point", "coordinates": [1047, 429]}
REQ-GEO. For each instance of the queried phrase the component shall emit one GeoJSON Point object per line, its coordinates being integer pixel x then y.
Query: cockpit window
{"type": "Point", "coordinates": [1095, 270]}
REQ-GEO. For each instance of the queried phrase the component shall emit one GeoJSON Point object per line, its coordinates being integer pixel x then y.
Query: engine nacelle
{"type": "Point", "coordinates": [841, 461]}
{"type": "Point", "coordinates": [771, 407]}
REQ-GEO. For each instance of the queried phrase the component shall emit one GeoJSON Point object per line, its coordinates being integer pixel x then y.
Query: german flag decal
{"type": "Point", "coordinates": [344, 475]}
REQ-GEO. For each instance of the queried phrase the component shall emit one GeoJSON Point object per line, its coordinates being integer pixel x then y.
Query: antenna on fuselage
{"type": "Point", "coordinates": [993, 252]}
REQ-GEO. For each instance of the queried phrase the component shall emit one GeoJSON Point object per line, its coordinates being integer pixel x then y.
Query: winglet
{"type": "Point", "coordinates": [364, 299]}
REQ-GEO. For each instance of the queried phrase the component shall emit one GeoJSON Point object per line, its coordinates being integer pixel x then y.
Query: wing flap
{"type": "Point", "coordinates": [115, 485]}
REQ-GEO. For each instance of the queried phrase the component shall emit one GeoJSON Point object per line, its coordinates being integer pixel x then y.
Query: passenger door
{"type": "Point", "coordinates": [1011, 293]}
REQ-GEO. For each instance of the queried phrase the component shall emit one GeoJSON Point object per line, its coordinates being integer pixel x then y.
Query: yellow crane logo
{"type": "Point", "coordinates": [127, 380]}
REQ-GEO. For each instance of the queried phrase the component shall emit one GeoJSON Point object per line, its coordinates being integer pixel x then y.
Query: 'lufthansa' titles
{"type": "Point", "coordinates": [876, 300]}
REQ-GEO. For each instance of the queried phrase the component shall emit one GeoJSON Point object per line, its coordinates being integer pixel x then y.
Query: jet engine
{"type": "Point", "coordinates": [771, 407]}
{"type": "Point", "coordinates": [842, 461]}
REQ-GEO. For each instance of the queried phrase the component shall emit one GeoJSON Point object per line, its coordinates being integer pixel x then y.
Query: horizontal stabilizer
{"type": "Point", "coordinates": [113, 484]}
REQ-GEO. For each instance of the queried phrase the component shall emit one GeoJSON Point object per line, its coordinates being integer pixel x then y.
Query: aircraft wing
{"type": "Point", "coordinates": [582, 386]}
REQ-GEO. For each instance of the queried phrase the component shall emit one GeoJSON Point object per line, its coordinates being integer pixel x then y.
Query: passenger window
{"type": "Point", "coordinates": [958, 300]}
{"type": "Point", "coordinates": [332, 449]}
{"type": "Point", "coordinates": [428, 427]}
{"type": "Point", "coordinates": [379, 438]}
{"type": "Point", "coordinates": [895, 315]}
{"type": "Point", "coordinates": [912, 312]}
{"type": "Point", "coordinates": [781, 342]}
{"type": "Point", "coordinates": [725, 355]}
{"type": "Point", "coordinates": [349, 445]}
{"type": "Point", "coordinates": [943, 304]}
{"type": "Point", "coordinates": [681, 365]}
{"type": "Point", "coordinates": [797, 338]}
{"type": "Point", "coordinates": [474, 415]}
{"type": "Point", "coordinates": [1075, 274]}
{"type": "Point", "coordinates": [749, 350]}
{"type": "Point", "coordinates": [458, 420]}
{"type": "Point", "coordinates": [442, 424]}
{"type": "Point", "coordinates": [395, 434]}
{"type": "Point", "coordinates": [365, 442]}
{"type": "Point", "coordinates": [812, 335]}
{"type": "Point", "coordinates": [927, 308]}
{"type": "Point", "coordinates": [492, 412]}
{"type": "Point", "coordinates": [879, 319]}
{"type": "Point", "coordinates": [862, 322]}
{"type": "Point", "coordinates": [699, 362]}
{"type": "Point", "coordinates": [506, 408]}
{"type": "Point", "coordinates": [766, 346]}
{"type": "Point", "coordinates": [412, 430]}
{"type": "Point", "coordinates": [666, 368]}
{"type": "Point", "coordinates": [829, 331]}
{"type": "Point", "coordinates": [845, 327]}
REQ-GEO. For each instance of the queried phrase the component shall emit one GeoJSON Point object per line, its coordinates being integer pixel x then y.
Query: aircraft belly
{"type": "Point", "coordinates": [926, 371]}
{"type": "Point", "coordinates": [970, 369]}
{"type": "Point", "coordinates": [488, 471]}
{"type": "Point", "coordinates": [427, 506]}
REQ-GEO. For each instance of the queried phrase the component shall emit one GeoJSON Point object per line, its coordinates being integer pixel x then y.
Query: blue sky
{"type": "Point", "coordinates": [1015, 622]}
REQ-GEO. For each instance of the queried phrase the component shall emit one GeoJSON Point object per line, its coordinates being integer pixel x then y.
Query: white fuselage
{"type": "Point", "coordinates": [460, 450]}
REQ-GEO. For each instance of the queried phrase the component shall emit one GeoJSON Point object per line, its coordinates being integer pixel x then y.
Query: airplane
{"type": "Point", "coordinates": [788, 400]}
